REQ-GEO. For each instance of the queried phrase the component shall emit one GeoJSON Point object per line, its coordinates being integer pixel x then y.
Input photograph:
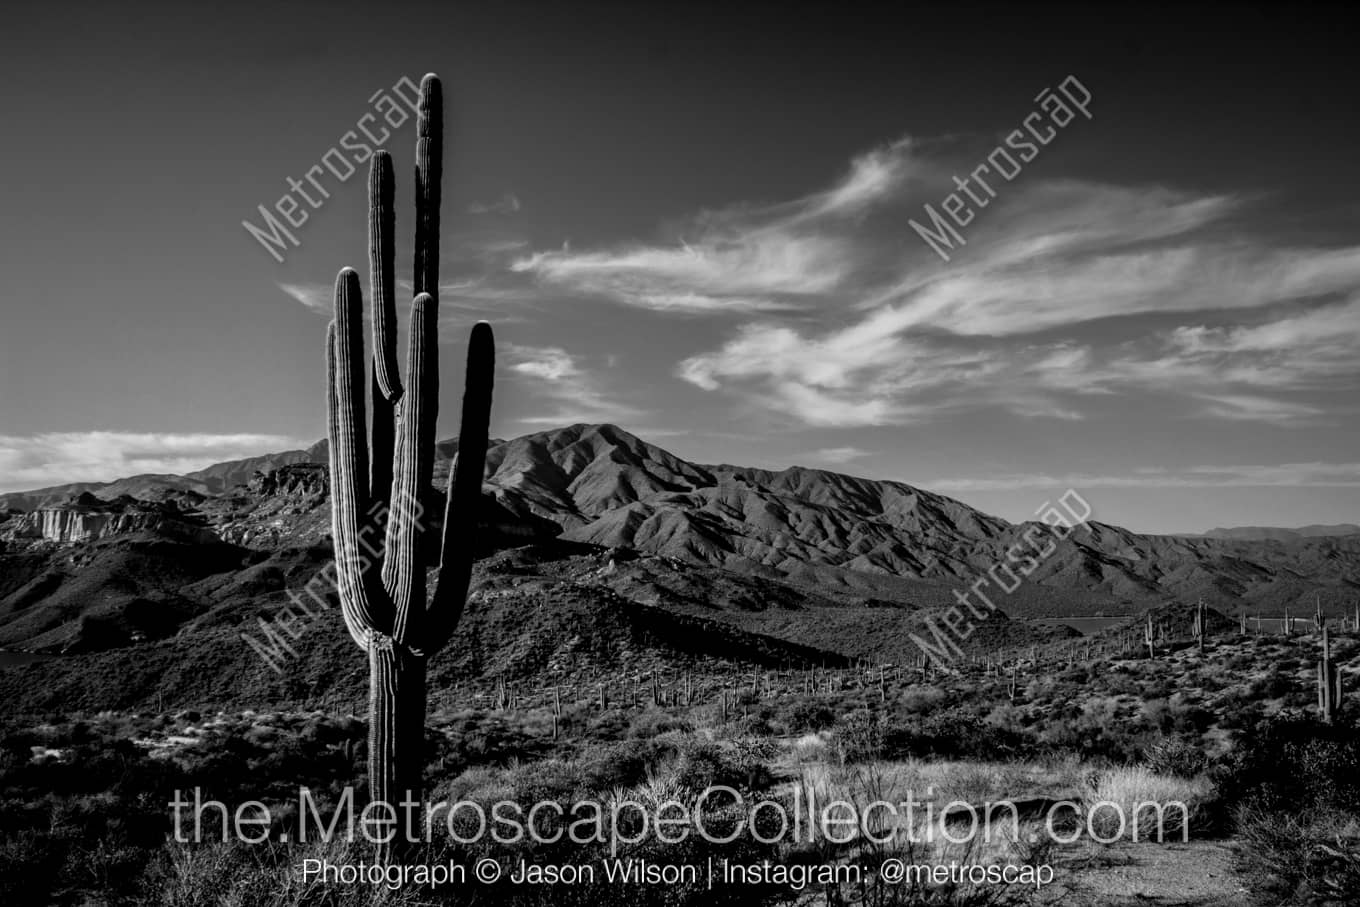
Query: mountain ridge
{"type": "Point", "coordinates": [880, 539]}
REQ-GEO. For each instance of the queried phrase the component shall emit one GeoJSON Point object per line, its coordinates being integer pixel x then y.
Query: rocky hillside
{"type": "Point", "coordinates": [888, 539]}
{"type": "Point", "coordinates": [555, 612]}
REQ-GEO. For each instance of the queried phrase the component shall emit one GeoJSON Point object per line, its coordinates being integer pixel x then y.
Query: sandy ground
{"type": "Point", "coordinates": [1194, 874]}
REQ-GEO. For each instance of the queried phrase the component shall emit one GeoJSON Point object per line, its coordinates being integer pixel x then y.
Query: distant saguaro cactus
{"type": "Point", "coordinates": [379, 473]}
{"type": "Point", "coordinates": [1328, 682]}
{"type": "Point", "coordinates": [1201, 624]}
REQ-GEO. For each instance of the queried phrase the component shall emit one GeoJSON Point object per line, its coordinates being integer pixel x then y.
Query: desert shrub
{"type": "Point", "coordinates": [1158, 688]}
{"type": "Point", "coordinates": [922, 700]}
{"type": "Point", "coordinates": [1150, 805]}
{"type": "Point", "coordinates": [1274, 685]}
{"type": "Point", "coordinates": [1208, 681]}
{"type": "Point", "coordinates": [654, 722]}
{"type": "Point", "coordinates": [29, 866]}
{"type": "Point", "coordinates": [1291, 764]}
{"type": "Point", "coordinates": [1298, 859]}
{"type": "Point", "coordinates": [860, 737]}
{"type": "Point", "coordinates": [1006, 717]}
{"type": "Point", "coordinates": [707, 765]}
{"type": "Point", "coordinates": [610, 725]}
{"type": "Point", "coordinates": [608, 766]}
{"type": "Point", "coordinates": [1097, 731]}
{"type": "Point", "coordinates": [812, 748]}
{"type": "Point", "coordinates": [487, 739]}
{"type": "Point", "coordinates": [1041, 687]}
{"type": "Point", "coordinates": [954, 734]}
{"type": "Point", "coordinates": [242, 875]}
{"type": "Point", "coordinates": [1291, 789]}
{"type": "Point", "coordinates": [1176, 715]}
{"type": "Point", "coordinates": [809, 715]}
{"type": "Point", "coordinates": [1177, 756]}
{"type": "Point", "coordinates": [1238, 711]}
{"type": "Point", "coordinates": [1122, 682]}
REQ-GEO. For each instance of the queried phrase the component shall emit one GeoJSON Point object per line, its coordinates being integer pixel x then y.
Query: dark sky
{"type": "Point", "coordinates": [696, 224]}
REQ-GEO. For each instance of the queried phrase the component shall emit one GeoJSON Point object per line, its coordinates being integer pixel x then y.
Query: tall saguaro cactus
{"type": "Point", "coordinates": [381, 470]}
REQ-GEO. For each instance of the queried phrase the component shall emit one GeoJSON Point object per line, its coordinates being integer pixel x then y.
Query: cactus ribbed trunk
{"type": "Point", "coordinates": [396, 732]}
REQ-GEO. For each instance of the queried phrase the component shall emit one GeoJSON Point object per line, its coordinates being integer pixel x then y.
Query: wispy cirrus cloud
{"type": "Point", "coordinates": [1249, 408]}
{"type": "Point", "coordinates": [1009, 322]}
{"type": "Point", "coordinates": [318, 297]}
{"type": "Point", "coordinates": [556, 377]}
{"type": "Point", "coordinates": [506, 204]}
{"type": "Point", "coordinates": [474, 297]}
{"type": "Point", "coordinates": [1296, 475]}
{"type": "Point", "coordinates": [839, 456]}
{"type": "Point", "coordinates": [871, 373]}
{"type": "Point", "coordinates": [31, 461]}
{"type": "Point", "coordinates": [779, 257]}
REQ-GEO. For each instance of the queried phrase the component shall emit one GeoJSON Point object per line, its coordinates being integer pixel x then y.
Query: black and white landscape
{"type": "Point", "coordinates": [628, 454]}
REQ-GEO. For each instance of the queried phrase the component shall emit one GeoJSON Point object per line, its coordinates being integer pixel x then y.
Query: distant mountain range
{"type": "Point", "coordinates": [213, 480]}
{"type": "Point", "coordinates": [874, 541]}
{"type": "Point", "coordinates": [1283, 535]}
{"type": "Point", "coordinates": [515, 470]}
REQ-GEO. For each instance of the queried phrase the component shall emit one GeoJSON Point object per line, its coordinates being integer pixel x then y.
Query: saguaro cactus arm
{"type": "Point", "coordinates": [429, 172]}
{"type": "Point", "coordinates": [387, 389]}
{"type": "Point", "coordinates": [365, 606]}
{"type": "Point", "coordinates": [465, 488]}
{"type": "Point", "coordinates": [382, 274]}
{"type": "Point", "coordinates": [404, 570]}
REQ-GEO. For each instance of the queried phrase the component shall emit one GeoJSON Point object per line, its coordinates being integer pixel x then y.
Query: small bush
{"type": "Point", "coordinates": [1176, 756]}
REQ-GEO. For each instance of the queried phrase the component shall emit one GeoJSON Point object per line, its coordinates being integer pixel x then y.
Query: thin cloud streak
{"type": "Point", "coordinates": [1298, 475]}
{"type": "Point", "coordinates": [742, 259]}
{"type": "Point", "coordinates": [506, 204]}
{"type": "Point", "coordinates": [552, 374]}
{"type": "Point", "coordinates": [51, 458]}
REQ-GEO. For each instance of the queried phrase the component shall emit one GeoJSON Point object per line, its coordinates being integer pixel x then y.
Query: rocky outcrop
{"type": "Point", "coordinates": [303, 480]}
{"type": "Point", "coordinates": [85, 518]}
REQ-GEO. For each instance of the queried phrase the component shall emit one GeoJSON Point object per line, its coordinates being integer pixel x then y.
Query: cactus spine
{"type": "Point", "coordinates": [380, 471]}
